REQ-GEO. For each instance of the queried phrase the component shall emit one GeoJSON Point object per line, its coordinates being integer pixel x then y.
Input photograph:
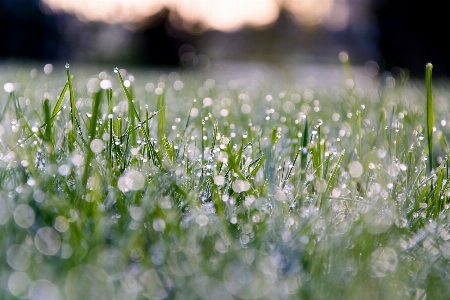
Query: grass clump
{"type": "Point", "coordinates": [205, 186]}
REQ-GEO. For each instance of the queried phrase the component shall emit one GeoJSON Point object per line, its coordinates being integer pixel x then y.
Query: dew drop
{"type": "Point", "coordinates": [219, 180]}
{"type": "Point", "coordinates": [383, 261]}
{"type": "Point", "coordinates": [132, 181]}
{"type": "Point", "coordinates": [159, 225]}
{"type": "Point", "coordinates": [95, 281]}
{"type": "Point", "coordinates": [24, 216]}
{"type": "Point", "coordinates": [355, 169]}
{"type": "Point", "coordinates": [9, 87]}
{"type": "Point", "coordinates": [105, 84]}
{"type": "Point", "coordinates": [96, 145]}
{"type": "Point", "coordinates": [67, 65]}
{"type": "Point", "coordinates": [18, 257]}
{"type": "Point", "coordinates": [240, 186]}
{"type": "Point", "coordinates": [47, 241]}
{"type": "Point", "coordinates": [18, 284]}
{"type": "Point", "coordinates": [48, 68]}
{"type": "Point", "coordinates": [116, 70]}
{"type": "Point", "coordinates": [202, 220]}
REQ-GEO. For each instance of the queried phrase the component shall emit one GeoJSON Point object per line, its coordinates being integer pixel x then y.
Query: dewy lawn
{"type": "Point", "coordinates": [135, 184]}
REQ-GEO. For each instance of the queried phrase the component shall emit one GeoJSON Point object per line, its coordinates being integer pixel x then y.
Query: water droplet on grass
{"type": "Point", "coordinates": [18, 284]}
{"type": "Point", "coordinates": [95, 281]}
{"type": "Point", "coordinates": [355, 169]}
{"type": "Point", "coordinates": [24, 216]}
{"type": "Point", "coordinates": [96, 145]}
{"type": "Point", "coordinates": [202, 220]}
{"type": "Point", "coordinates": [9, 87]}
{"type": "Point", "coordinates": [67, 65]}
{"type": "Point", "coordinates": [131, 181]}
{"type": "Point", "coordinates": [47, 241]}
{"type": "Point", "coordinates": [159, 225]}
{"type": "Point", "coordinates": [383, 261]}
{"type": "Point", "coordinates": [48, 68]}
{"type": "Point", "coordinates": [105, 84]}
{"type": "Point", "coordinates": [61, 224]}
{"type": "Point", "coordinates": [240, 186]}
{"type": "Point", "coordinates": [116, 70]}
{"type": "Point", "coordinates": [18, 257]}
{"type": "Point", "coordinates": [219, 180]}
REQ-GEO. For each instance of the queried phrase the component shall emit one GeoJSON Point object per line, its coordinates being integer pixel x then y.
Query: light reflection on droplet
{"type": "Point", "coordinates": [47, 241]}
{"type": "Point", "coordinates": [178, 85]}
{"type": "Point", "coordinates": [43, 289]}
{"type": "Point", "coordinates": [219, 180]}
{"type": "Point", "coordinates": [18, 257]}
{"type": "Point", "coordinates": [136, 213]}
{"type": "Point", "coordinates": [245, 108]}
{"type": "Point", "coordinates": [66, 251]}
{"type": "Point", "coordinates": [194, 112]}
{"type": "Point", "coordinates": [159, 225]}
{"type": "Point", "coordinates": [9, 87]}
{"type": "Point", "coordinates": [24, 216]}
{"type": "Point", "coordinates": [383, 261]}
{"type": "Point", "coordinates": [131, 181]}
{"type": "Point", "coordinates": [202, 220]}
{"type": "Point", "coordinates": [105, 84]}
{"type": "Point", "coordinates": [96, 145]}
{"type": "Point", "coordinates": [48, 68]}
{"type": "Point", "coordinates": [61, 224]}
{"type": "Point", "coordinates": [95, 281]}
{"type": "Point", "coordinates": [355, 169]}
{"type": "Point", "coordinates": [18, 283]}
{"type": "Point", "coordinates": [240, 186]}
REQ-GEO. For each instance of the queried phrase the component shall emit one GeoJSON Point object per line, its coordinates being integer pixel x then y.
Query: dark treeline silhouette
{"type": "Point", "coordinates": [405, 34]}
{"type": "Point", "coordinates": [412, 33]}
{"type": "Point", "coordinates": [26, 33]}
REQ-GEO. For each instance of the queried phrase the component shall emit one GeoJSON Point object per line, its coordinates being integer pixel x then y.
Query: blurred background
{"type": "Point", "coordinates": [193, 34]}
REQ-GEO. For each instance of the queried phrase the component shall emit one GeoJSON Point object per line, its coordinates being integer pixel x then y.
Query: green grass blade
{"type": "Point", "coordinates": [59, 101]}
{"type": "Point", "coordinates": [168, 148]}
{"type": "Point", "coordinates": [132, 113]}
{"type": "Point", "coordinates": [92, 134]}
{"type": "Point", "coordinates": [48, 122]}
{"type": "Point", "coordinates": [73, 132]}
{"type": "Point", "coordinates": [161, 117]}
{"type": "Point", "coordinates": [430, 115]}
{"type": "Point", "coordinates": [304, 153]}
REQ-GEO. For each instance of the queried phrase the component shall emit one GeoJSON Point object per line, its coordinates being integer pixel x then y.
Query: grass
{"type": "Point", "coordinates": [182, 186]}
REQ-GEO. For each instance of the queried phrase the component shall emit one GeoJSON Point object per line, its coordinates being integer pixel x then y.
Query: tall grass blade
{"type": "Point", "coordinates": [60, 100]}
{"type": "Point", "coordinates": [304, 153]}
{"type": "Point", "coordinates": [92, 134]}
{"type": "Point", "coordinates": [430, 115]}
{"type": "Point", "coordinates": [132, 113]}
{"type": "Point", "coordinates": [161, 117]}
{"type": "Point", "coordinates": [73, 132]}
{"type": "Point", "coordinates": [168, 148]}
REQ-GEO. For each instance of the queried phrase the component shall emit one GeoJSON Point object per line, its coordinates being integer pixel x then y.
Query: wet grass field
{"type": "Point", "coordinates": [240, 182]}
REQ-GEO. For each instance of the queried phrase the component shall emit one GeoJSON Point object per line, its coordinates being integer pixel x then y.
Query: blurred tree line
{"type": "Point", "coordinates": [405, 33]}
